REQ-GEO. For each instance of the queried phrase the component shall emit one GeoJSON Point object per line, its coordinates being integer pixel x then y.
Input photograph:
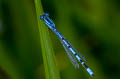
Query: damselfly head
{"type": "Point", "coordinates": [41, 17]}
{"type": "Point", "coordinates": [44, 16]}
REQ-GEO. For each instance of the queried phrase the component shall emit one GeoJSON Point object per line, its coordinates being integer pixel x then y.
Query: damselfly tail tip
{"type": "Point", "coordinates": [90, 72]}
{"type": "Point", "coordinates": [92, 75]}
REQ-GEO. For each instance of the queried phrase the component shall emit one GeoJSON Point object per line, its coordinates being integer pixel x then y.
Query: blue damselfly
{"type": "Point", "coordinates": [72, 53]}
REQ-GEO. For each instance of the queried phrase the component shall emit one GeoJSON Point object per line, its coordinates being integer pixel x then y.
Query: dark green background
{"type": "Point", "coordinates": [92, 26]}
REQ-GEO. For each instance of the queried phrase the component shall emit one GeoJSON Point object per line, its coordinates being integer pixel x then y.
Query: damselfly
{"type": "Point", "coordinates": [72, 53]}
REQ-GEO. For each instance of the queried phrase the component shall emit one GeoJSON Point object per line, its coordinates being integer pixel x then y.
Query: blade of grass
{"type": "Point", "coordinates": [51, 69]}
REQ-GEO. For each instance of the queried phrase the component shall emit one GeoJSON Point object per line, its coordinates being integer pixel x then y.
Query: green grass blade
{"type": "Point", "coordinates": [51, 69]}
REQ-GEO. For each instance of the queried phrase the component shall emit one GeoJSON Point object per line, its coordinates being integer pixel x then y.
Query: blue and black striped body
{"type": "Point", "coordinates": [51, 25]}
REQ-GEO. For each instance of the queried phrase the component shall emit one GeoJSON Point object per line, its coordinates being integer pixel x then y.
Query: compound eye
{"type": "Point", "coordinates": [41, 17]}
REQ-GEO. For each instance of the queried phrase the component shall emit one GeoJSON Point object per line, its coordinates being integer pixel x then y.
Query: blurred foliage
{"type": "Point", "coordinates": [92, 26]}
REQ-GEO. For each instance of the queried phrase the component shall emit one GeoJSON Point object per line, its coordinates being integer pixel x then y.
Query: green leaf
{"type": "Point", "coordinates": [51, 69]}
